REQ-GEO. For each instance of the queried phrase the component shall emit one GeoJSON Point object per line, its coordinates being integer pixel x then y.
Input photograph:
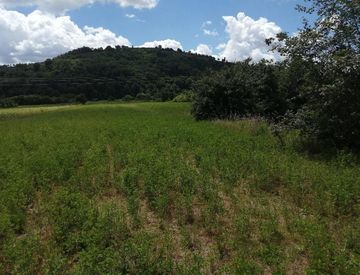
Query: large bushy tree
{"type": "Point", "coordinates": [329, 47]}
{"type": "Point", "coordinates": [246, 89]}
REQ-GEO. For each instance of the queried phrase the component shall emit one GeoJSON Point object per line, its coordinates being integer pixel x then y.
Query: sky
{"type": "Point", "coordinates": [34, 30]}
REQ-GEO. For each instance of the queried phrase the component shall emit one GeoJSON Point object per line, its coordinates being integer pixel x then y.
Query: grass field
{"type": "Point", "coordinates": [142, 188]}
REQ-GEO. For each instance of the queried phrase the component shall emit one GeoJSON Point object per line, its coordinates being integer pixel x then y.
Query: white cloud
{"type": "Point", "coordinates": [210, 33]}
{"type": "Point", "coordinates": [206, 31]}
{"type": "Point", "coordinates": [247, 38]}
{"type": "Point", "coordinates": [39, 35]}
{"type": "Point", "coordinates": [167, 44]}
{"type": "Point", "coordinates": [131, 16]}
{"type": "Point", "coordinates": [60, 6]}
{"type": "Point", "coordinates": [221, 46]}
{"type": "Point", "coordinates": [138, 4]}
{"type": "Point", "coordinates": [203, 49]}
{"type": "Point", "coordinates": [134, 17]}
{"type": "Point", "coordinates": [206, 24]}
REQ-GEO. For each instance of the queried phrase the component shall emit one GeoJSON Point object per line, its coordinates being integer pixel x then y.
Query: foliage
{"type": "Point", "coordinates": [246, 89]}
{"type": "Point", "coordinates": [128, 98]}
{"type": "Point", "coordinates": [331, 49]}
{"type": "Point", "coordinates": [186, 96]}
{"type": "Point", "coordinates": [104, 74]}
{"type": "Point", "coordinates": [81, 98]}
{"type": "Point", "coordinates": [36, 100]}
{"type": "Point", "coordinates": [7, 103]}
{"type": "Point", "coordinates": [315, 89]}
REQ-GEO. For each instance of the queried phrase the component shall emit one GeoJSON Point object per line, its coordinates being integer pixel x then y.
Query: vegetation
{"type": "Point", "coordinates": [316, 88]}
{"type": "Point", "coordinates": [104, 74]}
{"type": "Point", "coordinates": [330, 49]}
{"type": "Point", "coordinates": [143, 188]}
{"type": "Point", "coordinates": [246, 89]}
{"type": "Point", "coordinates": [186, 96]}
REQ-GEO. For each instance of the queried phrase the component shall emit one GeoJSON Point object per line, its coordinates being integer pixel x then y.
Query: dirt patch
{"type": "Point", "coordinates": [35, 221]}
{"type": "Point", "coordinates": [298, 267]}
{"type": "Point", "coordinates": [110, 153]}
{"type": "Point", "coordinates": [148, 218]}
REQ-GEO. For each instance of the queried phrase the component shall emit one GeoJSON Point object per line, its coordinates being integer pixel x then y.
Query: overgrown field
{"type": "Point", "coordinates": [143, 189]}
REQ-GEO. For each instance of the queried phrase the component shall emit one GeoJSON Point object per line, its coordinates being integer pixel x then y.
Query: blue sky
{"type": "Point", "coordinates": [33, 30]}
{"type": "Point", "coordinates": [182, 19]}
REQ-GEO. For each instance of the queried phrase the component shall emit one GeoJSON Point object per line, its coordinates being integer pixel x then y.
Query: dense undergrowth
{"type": "Point", "coordinates": [143, 189]}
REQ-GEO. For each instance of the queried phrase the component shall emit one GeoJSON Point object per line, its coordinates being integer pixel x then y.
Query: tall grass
{"type": "Point", "coordinates": [143, 188]}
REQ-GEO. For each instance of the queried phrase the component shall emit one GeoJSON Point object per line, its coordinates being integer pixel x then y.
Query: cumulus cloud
{"type": "Point", "coordinates": [39, 35]}
{"type": "Point", "coordinates": [247, 38]}
{"type": "Point", "coordinates": [203, 49]}
{"type": "Point", "coordinates": [60, 6]}
{"type": "Point", "coordinates": [166, 44]}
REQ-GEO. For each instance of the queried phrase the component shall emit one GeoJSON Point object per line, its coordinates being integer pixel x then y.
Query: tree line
{"type": "Point", "coordinates": [104, 74]}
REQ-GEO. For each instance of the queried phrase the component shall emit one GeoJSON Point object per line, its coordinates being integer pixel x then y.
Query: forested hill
{"type": "Point", "coordinates": [102, 74]}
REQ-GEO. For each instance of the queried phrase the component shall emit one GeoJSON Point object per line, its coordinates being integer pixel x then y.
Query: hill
{"type": "Point", "coordinates": [103, 74]}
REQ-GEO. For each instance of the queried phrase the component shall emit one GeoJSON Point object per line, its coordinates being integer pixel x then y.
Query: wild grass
{"type": "Point", "coordinates": [143, 188]}
{"type": "Point", "coordinates": [7, 113]}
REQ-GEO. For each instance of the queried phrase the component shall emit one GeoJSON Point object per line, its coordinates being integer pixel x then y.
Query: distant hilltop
{"type": "Point", "coordinates": [105, 74]}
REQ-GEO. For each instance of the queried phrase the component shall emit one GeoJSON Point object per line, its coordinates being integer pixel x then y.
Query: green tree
{"type": "Point", "coordinates": [36, 67]}
{"type": "Point", "coordinates": [81, 99]}
{"type": "Point", "coordinates": [333, 39]}
{"type": "Point", "coordinates": [246, 89]}
{"type": "Point", "coordinates": [330, 46]}
{"type": "Point", "coordinates": [48, 64]}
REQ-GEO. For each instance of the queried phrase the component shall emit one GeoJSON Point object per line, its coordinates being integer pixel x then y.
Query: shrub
{"type": "Point", "coordinates": [128, 98]}
{"type": "Point", "coordinates": [186, 96]}
{"type": "Point", "coordinates": [7, 103]}
{"type": "Point", "coordinates": [81, 99]}
{"type": "Point", "coordinates": [247, 89]}
{"type": "Point", "coordinates": [332, 112]}
{"type": "Point", "coordinates": [143, 96]}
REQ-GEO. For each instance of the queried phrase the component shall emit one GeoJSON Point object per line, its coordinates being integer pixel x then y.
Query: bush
{"type": "Point", "coordinates": [143, 96]}
{"type": "Point", "coordinates": [246, 89]}
{"type": "Point", "coordinates": [332, 112]}
{"type": "Point", "coordinates": [34, 100]}
{"type": "Point", "coordinates": [128, 98]}
{"type": "Point", "coordinates": [81, 99]}
{"type": "Point", "coordinates": [186, 96]}
{"type": "Point", "coordinates": [7, 103]}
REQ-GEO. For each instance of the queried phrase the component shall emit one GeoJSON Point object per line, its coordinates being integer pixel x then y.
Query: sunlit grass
{"type": "Point", "coordinates": [143, 188]}
{"type": "Point", "coordinates": [25, 111]}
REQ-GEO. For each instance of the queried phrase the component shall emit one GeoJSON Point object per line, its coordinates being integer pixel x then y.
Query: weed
{"type": "Point", "coordinates": [143, 188]}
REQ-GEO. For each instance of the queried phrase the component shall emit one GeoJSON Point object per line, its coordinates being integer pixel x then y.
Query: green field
{"type": "Point", "coordinates": [142, 188]}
